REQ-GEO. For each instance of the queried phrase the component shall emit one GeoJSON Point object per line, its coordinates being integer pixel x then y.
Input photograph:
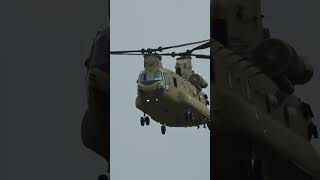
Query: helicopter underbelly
{"type": "Point", "coordinates": [171, 111]}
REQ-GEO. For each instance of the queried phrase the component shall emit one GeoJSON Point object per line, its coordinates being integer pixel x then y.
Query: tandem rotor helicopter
{"type": "Point", "coordinates": [262, 130]}
{"type": "Point", "coordinates": [171, 98]}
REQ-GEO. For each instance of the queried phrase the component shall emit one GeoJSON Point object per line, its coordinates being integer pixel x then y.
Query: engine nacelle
{"type": "Point", "coordinates": [184, 67]}
{"type": "Point", "coordinates": [277, 58]}
{"type": "Point", "coordinates": [198, 81]}
{"type": "Point", "coordinates": [299, 72]}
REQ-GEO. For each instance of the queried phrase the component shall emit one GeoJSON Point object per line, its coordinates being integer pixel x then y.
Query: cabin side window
{"type": "Point", "coordinates": [175, 82]}
{"type": "Point", "coordinates": [178, 71]}
{"type": "Point", "coordinates": [166, 81]}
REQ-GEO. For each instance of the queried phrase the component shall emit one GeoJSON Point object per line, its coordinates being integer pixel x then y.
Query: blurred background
{"type": "Point", "coordinates": [47, 43]}
{"type": "Point", "coordinates": [296, 23]}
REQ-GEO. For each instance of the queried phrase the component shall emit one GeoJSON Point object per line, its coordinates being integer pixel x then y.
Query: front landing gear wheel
{"type": "Point", "coordinates": [147, 121]}
{"type": "Point", "coordinates": [163, 129]}
{"type": "Point", "coordinates": [142, 121]}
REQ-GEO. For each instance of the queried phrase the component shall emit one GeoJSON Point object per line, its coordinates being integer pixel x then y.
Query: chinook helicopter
{"type": "Point", "coordinates": [173, 99]}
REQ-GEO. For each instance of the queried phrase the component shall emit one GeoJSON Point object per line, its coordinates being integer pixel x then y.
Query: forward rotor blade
{"type": "Point", "coordinates": [201, 56]}
{"type": "Point", "coordinates": [122, 52]}
{"type": "Point", "coordinates": [127, 54]}
{"type": "Point", "coordinates": [149, 50]}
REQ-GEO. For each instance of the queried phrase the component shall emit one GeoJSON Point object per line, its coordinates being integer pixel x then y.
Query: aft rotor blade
{"type": "Point", "coordinates": [203, 46]}
{"type": "Point", "coordinates": [181, 45]}
{"type": "Point", "coordinates": [201, 56]}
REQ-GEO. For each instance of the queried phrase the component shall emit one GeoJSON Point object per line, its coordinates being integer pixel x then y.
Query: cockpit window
{"type": "Point", "coordinates": [150, 76]}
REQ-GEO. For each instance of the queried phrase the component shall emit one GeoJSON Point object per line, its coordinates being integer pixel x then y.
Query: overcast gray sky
{"type": "Point", "coordinates": [143, 152]}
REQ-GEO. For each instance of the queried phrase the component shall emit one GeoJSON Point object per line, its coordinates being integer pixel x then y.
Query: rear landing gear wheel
{"type": "Point", "coordinates": [142, 121]}
{"type": "Point", "coordinates": [147, 121]}
{"type": "Point", "coordinates": [163, 129]}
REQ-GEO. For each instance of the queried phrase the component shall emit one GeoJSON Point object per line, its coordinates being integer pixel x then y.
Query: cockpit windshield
{"type": "Point", "coordinates": [150, 77]}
